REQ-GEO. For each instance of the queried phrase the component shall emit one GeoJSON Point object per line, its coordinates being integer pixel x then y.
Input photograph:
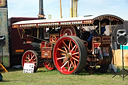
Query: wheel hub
{"type": "Point", "coordinates": [68, 55]}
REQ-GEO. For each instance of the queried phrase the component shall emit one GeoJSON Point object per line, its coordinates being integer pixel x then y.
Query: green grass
{"type": "Point", "coordinates": [45, 77]}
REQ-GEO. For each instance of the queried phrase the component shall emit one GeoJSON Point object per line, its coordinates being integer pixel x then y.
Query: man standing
{"type": "Point", "coordinates": [95, 32]}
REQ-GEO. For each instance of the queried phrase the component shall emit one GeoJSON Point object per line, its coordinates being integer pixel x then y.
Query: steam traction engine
{"type": "Point", "coordinates": [63, 43]}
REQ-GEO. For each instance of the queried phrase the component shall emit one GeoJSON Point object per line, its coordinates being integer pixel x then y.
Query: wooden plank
{"type": "Point", "coordinates": [118, 57]}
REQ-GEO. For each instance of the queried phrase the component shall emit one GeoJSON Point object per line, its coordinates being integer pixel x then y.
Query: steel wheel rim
{"type": "Point", "coordinates": [66, 55]}
{"type": "Point", "coordinates": [29, 57]}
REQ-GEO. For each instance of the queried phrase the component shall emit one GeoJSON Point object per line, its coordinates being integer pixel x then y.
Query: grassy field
{"type": "Point", "coordinates": [45, 77]}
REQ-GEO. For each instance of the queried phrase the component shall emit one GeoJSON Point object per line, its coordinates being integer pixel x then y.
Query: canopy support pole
{"type": "Point", "coordinates": [110, 27]}
{"type": "Point", "coordinates": [99, 27]}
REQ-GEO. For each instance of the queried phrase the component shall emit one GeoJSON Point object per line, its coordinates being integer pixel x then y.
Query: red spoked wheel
{"type": "Point", "coordinates": [30, 56]}
{"type": "Point", "coordinates": [69, 55]}
{"type": "Point", "coordinates": [49, 65]}
{"type": "Point", "coordinates": [68, 31]}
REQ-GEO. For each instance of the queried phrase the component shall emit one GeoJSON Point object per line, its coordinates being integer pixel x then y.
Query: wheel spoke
{"type": "Point", "coordinates": [65, 60]}
{"type": "Point", "coordinates": [75, 63]}
{"type": "Point", "coordinates": [64, 64]}
{"type": "Point", "coordinates": [72, 63]}
{"type": "Point", "coordinates": [75, 53]}
{"type": "Point", "coordinates": [73, 48]}
{"type": "Point", "coordinates": [34, 59]}
{"type": "Point", "coordinates": [65, 44]}
{"type": "Point", "coordinates": [49, 65]}
{"type": "Point", "coordinates": [69, 45]}
{"type": "Point", "coordinates": [32, 56]}
{"type": "Point", "coordinates": [63, 54]}
{"type": "Point", "coordinates": [61, 58]}
{"type": "Point", "coordinates": [26, 60]}
{"type": "Point", "coordinates": [75, 59]}
{"type": "Point", "coordinates": [76, 56]}
{"type": "Point", "coordinates": [65, 49]}
{"type": "Point", "coordinates": [61, 50]}
{"type": "Point", "coordinates": [69, 67]}
{"type": "Point", "coordinates": [28, 56]}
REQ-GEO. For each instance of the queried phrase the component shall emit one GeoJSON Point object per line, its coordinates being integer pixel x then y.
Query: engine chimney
{"type": "Point", "coordinates": [41, 10]}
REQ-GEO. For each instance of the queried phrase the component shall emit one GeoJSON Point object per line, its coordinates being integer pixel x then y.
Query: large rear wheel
{"type": "Point", "coordinates": [31, 56]}
{"type": "Point", "coordinates": [69, 55]}
{"type": "Point", "coordinates": [104, 64]}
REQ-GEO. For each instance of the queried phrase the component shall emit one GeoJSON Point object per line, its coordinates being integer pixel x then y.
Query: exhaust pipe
{"type": "Point", "coordinates": [41, 10]}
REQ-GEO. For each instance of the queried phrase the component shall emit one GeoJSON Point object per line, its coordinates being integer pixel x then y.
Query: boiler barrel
{"type": "Point", "coordinates": [36, 46]}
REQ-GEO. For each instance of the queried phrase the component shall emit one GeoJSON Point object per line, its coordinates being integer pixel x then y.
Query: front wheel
{"type": "Point", "coordinates": [30, 56]}
{"type": "Point", "coordinates": [69, 55]}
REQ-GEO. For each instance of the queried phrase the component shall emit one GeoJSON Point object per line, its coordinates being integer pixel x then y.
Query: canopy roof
{"type": "Point", "coordinates": [69, 21]}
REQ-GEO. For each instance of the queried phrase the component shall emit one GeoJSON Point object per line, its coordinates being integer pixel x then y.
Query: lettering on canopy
{"type": "Point", "coordinates": [68, 23]}
{"type": "Point", "coordinates": [55, 23]}
{"type": "Point", "coordinates": [28, 25]}
{"type": "Point", "coordinates": [47, 24]}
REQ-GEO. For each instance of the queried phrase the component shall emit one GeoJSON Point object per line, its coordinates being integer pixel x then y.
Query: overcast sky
{"type": "Point", "coordinates": [30, 8]}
